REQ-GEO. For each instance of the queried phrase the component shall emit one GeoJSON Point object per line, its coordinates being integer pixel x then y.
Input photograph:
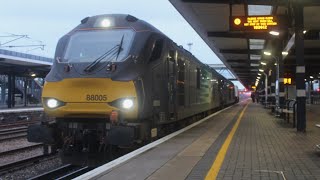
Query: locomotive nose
{"type": "Point", "coordinates": [94, 97]}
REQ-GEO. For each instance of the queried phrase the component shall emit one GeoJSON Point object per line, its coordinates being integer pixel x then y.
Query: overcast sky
{"type": "Point", "coordinates": [47, 21]}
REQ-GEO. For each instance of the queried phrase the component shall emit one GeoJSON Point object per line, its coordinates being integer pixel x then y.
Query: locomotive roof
{"type": "Point", "coordinates": [116, 21]}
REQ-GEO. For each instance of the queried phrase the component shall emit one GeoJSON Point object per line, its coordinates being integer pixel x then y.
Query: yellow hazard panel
{"type": "Point", "coordinates": [88, 97]}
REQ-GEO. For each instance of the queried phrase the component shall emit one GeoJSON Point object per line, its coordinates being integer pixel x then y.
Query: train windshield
{"type": "Point", "coordinates": [87, 46]}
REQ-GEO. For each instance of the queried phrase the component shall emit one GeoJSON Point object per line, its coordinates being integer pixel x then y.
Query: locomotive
{"type": "Point", "coordinates": [118, 81]}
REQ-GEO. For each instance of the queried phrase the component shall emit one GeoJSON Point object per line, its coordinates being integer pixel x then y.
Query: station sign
{"type": "Point", "coordinates": [254, 23]}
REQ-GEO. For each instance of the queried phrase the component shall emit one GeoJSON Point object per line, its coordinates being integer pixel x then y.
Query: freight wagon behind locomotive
{"type": "Point", "coordinates": [117, 81]}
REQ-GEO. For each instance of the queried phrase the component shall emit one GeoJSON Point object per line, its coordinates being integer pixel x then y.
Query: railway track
{"type": "Point", "coordinates": [67, 171]}
{"type": "Point", "coordinates": [9, 134]}
{"type": "Point", "coordinates": [17, 124]}
{"type": "Point", "coordinates": [20, 149]}
{"type": "Point", "coordinates": [24, 163]}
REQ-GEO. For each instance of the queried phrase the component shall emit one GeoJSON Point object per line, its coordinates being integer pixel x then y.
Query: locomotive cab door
{"type": "Point", "coordinates": [171, 72]}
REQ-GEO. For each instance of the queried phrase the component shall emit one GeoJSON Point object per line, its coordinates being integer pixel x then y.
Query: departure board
{"type": "Point", "coordinates": [254, 23]}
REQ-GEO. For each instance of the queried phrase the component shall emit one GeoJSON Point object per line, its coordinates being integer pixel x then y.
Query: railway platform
{"type": "Point", "coordinates": [21, 114]}
{"type": "Point", "coordinates": [244, 141]}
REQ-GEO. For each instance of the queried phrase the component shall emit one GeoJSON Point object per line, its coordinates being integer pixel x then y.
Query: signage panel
{"type": "Point", "coordinates": [254, 23]}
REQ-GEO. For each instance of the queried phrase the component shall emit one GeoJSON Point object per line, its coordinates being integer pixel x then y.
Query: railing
{"type": "Point", "coordinates": [31, 95]}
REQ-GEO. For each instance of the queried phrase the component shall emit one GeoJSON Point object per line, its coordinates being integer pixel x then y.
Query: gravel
{"type": "Point", "coordinates": [34, 170]}
{"type": "Point", "coordinates": [31, 170]}
{"type": "Point", "coordinates": [14, 157]}
{"type": "Point", "coordinates": [14, 144]}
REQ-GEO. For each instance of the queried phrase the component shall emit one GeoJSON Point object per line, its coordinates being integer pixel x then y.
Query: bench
{"type": "Point", "coordinates": [289, 109]}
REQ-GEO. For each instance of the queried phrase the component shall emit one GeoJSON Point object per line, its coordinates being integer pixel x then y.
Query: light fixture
{"type": "Point", "coordinates": [263, 63]}
{"type": "Point", "coordinates": [127, 103]}
{"type": "Point", "coordinates": [237, 21]}
{"type": "Point", "coordinates": [52, 103]}
{"type": "Point", "coordinates": [305, 31]}
{"type": "Point", "coordinates": [267, 53]}
{"type": "Point", "coordinates": [275, 33]}
{"type": "Point", "coordinates": [261, 70]}
{"type": "Point", "coordinates": [287, 81]}
{"type": "Point", "coordinates": [285, 53]}
{"type": "Point", "coordinates": [311, 77]}
{"type": "Point", "coordinates": [259, 74]}
{"type": "Point", "coordinates": [105, 23]}
{"type": "Point", "coordinates": [33, 75]}
{"type": "Point", "coordinates": [275, 64]}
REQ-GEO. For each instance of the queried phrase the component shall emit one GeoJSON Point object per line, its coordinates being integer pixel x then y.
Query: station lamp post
{"type": "Point", "coordinates": [277, 94]}
{"type": "Point", "coordinates": [265, 86]}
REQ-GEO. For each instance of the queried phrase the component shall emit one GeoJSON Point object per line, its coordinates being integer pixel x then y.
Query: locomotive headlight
{"type": "Point", "coordinates": [53, 103]}
{"type": "Point", "coordinates": [105, 23]}
{"type": "Point", "coordinates": [127, 103]}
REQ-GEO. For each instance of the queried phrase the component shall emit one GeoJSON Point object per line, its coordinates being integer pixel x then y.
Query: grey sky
{"type": "Point", "coordinates": [47, 21]}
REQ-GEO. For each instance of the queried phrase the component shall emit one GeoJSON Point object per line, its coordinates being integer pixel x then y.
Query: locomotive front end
{"type": "Point", "coordinates": [91, 89]}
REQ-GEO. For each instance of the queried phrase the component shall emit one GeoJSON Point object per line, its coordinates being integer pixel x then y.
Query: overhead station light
{"type": "Point", "coordinates": [261, 70]}
{"type": "Point", "coordinates": [274, 33]}
{"type": "Point", "coordinates": [259, 74]}
{"type": "Point", "coordinates": [267, 53]}
{"type": "Point", "coordinates": [263, 63]}
{"type": "Point", "coordinates": [33, 75]}
{"type": "Point", "coordinates": [285, 53]}
{"type": "Point", "coordinates": [305, 31]}
{"type": "Point", "coordinates": [311, 77]}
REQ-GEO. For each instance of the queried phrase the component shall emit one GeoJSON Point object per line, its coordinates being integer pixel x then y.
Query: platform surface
{"type": "Point", "coordinates": [263, 147]}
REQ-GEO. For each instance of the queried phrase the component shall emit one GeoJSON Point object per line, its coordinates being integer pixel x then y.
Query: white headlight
{"type": "Point", "coordinates": [52, 103]}
{"type": "Point", "coordinates": [127, 103]}
{"type": "Point", "coordinates": [105, 23]}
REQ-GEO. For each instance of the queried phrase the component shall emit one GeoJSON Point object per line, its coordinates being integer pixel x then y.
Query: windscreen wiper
{"type": "Point", "coordinates": [120, 47]}
{"type": "Point", "coordinates": [111, 51]}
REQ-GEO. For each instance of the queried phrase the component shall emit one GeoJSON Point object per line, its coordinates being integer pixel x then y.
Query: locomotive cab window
{"type": "Point", "coordinates": [156, 50]}
{"type": "Point", "coordinates": [87, 46]}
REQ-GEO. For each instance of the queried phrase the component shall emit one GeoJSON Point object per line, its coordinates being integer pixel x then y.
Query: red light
{"type": "Point", "coordinates": [318, 90]}
{"type": "Point", "coordinates": [114, 117]}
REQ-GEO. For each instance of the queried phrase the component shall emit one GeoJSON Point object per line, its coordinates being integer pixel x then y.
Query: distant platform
{"type": "Point", "coordinates": [18, 110]}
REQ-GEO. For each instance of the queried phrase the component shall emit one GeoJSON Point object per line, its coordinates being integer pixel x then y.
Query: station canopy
{"type": "Point", "coordinates": [241, 31]}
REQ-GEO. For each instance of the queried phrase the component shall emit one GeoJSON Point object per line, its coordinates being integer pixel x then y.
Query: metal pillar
{"type": "Point", "coordinates": [3, 91]}
{"type": "Point", "coordinates": [266, 88]}
{"type": "Point", "coordinates": [300, 69]}
{"type": "Point", "coordinates": [11, 88]}
{"type": "Point", "coordinates": [273, 85]}
{"type": "Point", "coordinates": [25, 85]}
{"type": "Point", "coordinates": [277, 92]}
{"type": "Point", "coordinates": [280, 65]}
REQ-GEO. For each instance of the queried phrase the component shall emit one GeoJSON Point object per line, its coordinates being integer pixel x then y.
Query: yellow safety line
{"type": "Point", "coordinates": [215, 168]}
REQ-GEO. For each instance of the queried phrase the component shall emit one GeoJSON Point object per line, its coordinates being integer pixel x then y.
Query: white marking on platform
{"type": "Point", "coordinates": [21, 110]}
{"type": "Point", "coordinates": [104, 169]}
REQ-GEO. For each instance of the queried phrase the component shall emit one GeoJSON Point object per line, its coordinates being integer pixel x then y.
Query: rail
{"type": "Point", "coordinates": [67, 171]}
